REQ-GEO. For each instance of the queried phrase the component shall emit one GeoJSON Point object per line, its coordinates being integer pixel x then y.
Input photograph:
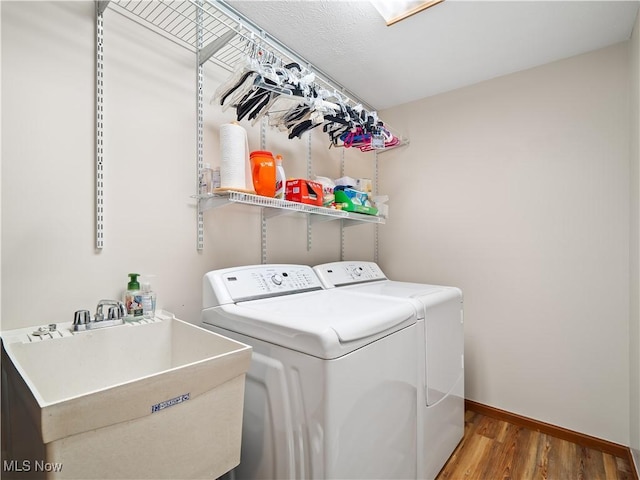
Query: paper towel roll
{"type": "Point", "coordinates": [234, 156]}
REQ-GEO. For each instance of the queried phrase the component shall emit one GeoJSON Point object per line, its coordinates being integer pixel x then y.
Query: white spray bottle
{"type": "Point", "coordinates": [280, 178]}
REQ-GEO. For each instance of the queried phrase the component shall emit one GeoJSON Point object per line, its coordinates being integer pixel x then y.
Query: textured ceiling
{"type": "Point", "coordinates": [450, 45]}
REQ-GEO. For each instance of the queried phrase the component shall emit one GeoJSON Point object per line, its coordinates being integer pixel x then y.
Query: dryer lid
{"type": "Point", "coordinates": [392, 288]}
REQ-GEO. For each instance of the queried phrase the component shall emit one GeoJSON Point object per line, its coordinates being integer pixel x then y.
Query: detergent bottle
{"type": "Point", "coordinates": [263, 173]}
{"type": "Point", "coordinates": [280, 178]}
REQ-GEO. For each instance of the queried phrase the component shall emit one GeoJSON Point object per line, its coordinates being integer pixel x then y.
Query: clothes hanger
{"type": "Point", "coordinates": [293, 102]}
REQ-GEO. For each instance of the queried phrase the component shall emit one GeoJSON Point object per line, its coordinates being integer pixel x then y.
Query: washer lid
{"type": "Point", "coordinates": [324, 323]}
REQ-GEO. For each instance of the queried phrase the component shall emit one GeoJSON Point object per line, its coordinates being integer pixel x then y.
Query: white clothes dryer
{"type": "Point", "coordinates": [331, 390]}
{"type": "Point", "coordinates": [440, 328]}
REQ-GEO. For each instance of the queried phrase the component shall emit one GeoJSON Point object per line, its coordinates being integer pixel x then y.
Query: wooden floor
{"type": "Point", "coordinates": [493, 449]}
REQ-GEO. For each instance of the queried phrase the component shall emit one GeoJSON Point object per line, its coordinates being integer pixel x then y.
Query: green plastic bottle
{"type": "Point", "coordinates": [132, 298]}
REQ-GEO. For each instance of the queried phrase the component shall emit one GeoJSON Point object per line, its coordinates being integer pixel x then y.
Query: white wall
{"type": "Point", "coordinates": [634, 291]}
{"type": "Point", "coordinates": [517, 191]}
{"type": "Point", "coordinates": [50, 267]}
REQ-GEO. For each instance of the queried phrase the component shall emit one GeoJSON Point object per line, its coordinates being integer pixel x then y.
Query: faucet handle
{"type": "Point", "coordinates": [81, 317]}
{"type": "Point", "coordinates": [117, 311]}
{"type": "Point", "coordinates": [122, 309]}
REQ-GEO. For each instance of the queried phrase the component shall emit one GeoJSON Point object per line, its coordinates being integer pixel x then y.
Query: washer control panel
{"type": "Point", "coordinates": [337, 274]}
{"type": "Point", "coordinates": [253, 282]}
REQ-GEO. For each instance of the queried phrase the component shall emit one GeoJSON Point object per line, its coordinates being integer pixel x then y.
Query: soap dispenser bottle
{"type": "Point", "coordinates": [132, 299]}
{"type": "Point", "coordinates": [148, 299]}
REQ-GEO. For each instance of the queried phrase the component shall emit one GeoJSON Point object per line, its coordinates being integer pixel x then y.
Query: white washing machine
{"type": "Point", "coordinates": [331, 391]}
{"type": "Point", "coordinates": [441, 351]}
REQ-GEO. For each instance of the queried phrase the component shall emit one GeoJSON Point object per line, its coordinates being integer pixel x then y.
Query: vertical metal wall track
{"type": "Point", "coordinates": [203, 54]}
{"type": "Point", "coordinates": [341, 222]}
{"type": "Point", "coordinates": [263, 218]}
{"type": "Point", "coordinates": [199, 121]}
{"type": "Point", "coordinates": [309, 176]}
{"type": "Point", "coordinates": [375, 190]}
{"type": "Point", "coordinates": [99, 157]}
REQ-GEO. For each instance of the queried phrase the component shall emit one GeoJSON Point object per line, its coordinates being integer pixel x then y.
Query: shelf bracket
{"type": "Point", "coordinates": [101, 6]}
{"type": "Point", "coordinates": [319, 219]}
{"type": "Point", "coordinates": [210, 202]}
{"type": "Point", "coordinates": [362, 219]}
{"type": "Point", "coordinates": [275, 212]}
{"type": "Point", "coordinates": [209, 50]}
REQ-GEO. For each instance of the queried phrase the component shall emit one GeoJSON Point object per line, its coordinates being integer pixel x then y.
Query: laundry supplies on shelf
{"type": "Point", "coordinates": [263, 173]}
{"type": "Point", "coordinates": [353, 200]}
{"type": "Point", "coordinates": [304, 191]}
{"type": "Point", "coordinates": [281, 178]}
{"type": "Point", "coordinates": [327, 190]}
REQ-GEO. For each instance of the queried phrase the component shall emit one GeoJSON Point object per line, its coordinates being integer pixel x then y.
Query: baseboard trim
{"type": "Point", "coordinates": [572, 436]}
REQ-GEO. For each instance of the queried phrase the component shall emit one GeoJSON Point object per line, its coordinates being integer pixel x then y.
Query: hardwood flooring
{"type": "Point", "coordinates": [494, 449]}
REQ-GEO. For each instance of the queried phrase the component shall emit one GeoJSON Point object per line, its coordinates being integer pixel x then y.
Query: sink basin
{"type": "Point", "coordinates": [156, 399]}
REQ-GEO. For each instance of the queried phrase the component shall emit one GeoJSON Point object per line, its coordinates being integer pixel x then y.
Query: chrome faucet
{"type": "Point", "coordinates": [116, 312]}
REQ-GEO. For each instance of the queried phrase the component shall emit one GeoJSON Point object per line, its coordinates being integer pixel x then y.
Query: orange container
{"type": "Point", "coordinates": [263, 173]}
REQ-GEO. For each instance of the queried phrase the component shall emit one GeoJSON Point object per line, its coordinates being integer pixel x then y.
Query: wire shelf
{"type": "Point", "coordinates": [280, 206]}
{"type": "Point", "coordinates": [178, 21]}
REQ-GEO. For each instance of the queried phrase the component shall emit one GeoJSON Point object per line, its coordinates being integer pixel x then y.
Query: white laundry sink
{"type": "Point", "coordinates": [157, 399]}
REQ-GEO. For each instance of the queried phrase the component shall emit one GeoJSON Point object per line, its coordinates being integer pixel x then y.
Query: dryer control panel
{"type": "Point", "coordinates": [337, 274]}
{"type": "Point", "coordinates": [237, 284]}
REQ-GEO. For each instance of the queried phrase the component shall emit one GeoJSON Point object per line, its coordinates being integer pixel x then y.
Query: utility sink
{"type": "Point", "coordinates": [154, 399]}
